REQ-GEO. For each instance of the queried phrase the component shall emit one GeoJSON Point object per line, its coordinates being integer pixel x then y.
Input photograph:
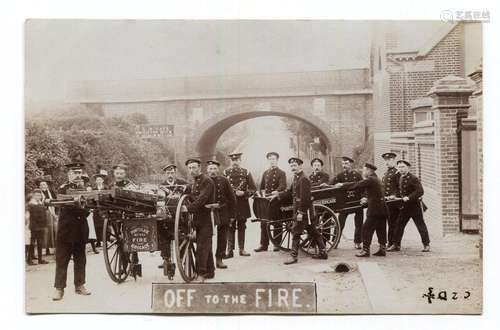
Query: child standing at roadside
{"type": "Point", "coordinates": [38, 224]}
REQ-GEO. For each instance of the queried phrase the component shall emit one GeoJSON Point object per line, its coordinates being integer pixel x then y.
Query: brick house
{"type": "Point", "coordinates": [422, 112]}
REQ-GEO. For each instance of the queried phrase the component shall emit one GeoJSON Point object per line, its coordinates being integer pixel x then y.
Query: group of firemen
{"type": "Point", "coordinates": [232, 188]}
{"type": "Point", "coordinates": [230, 191]}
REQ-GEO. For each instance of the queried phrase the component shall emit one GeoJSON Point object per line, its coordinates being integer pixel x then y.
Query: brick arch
{"type": "Point", "coordinates": [211, 130]}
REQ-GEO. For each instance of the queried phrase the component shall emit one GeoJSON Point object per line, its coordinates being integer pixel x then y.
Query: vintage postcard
{"type": "Point", "coordinates": [254, 166]}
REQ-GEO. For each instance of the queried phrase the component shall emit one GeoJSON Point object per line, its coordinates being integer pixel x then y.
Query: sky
{"type": "Point", "coordinates": [58, 51]}
{"type": "Point", "coordinates": [270, 131]}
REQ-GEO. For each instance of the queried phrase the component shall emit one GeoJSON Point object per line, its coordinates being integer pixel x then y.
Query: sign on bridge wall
{"type": "Point", "coordinates": [155, 131]}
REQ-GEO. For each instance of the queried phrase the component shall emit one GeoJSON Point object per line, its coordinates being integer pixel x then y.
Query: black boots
{"type": "Point", "coordinates": [31, 255]}
{"type": "Point", "coordinates": [244, 253]}
{"type": "Point", "coordinates": [364, 253]}
{"type": "Point", "coordinates": [394, 248]}
{"type": "Point", "coordinates": [58, 294]}
{"type": "Point", "coordinates": [380, 252]}
{"type": "Point", "coordinates": [228, 255]}
{"type": "Point", "coordinates": [295, 250]}
{"type": "Point", "coordinates": [219, 263]}
{"type": "Point", "coordinates": [321, 255]}
{"type": "Point", "coordinates": [241, 242]}
{"type": "Point", "coordinates": [28, 255]}
{"type": "Point", "coordinates": [82, 290]}
{"type": "Point", "coordinates": [261, 249]}
{"type": "Point", "coordinates": [92, 244]}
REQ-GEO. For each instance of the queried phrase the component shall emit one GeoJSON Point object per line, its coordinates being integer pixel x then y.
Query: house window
{"type": "Point", "coordinates": [420, 116]}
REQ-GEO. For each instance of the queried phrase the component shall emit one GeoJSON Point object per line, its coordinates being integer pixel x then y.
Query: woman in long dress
{"type": "Point", "coordinates": [27, 237]}
{"type": "Point", "coordinates": [90, 218]}
{"type": "Point", "coordinates": [99, 184]}
{"type": "Point", "coordinates": [45, 185]}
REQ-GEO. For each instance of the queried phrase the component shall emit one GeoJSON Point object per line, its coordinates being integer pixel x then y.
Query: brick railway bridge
{"type": "Point", "coordinates": [192, 113]}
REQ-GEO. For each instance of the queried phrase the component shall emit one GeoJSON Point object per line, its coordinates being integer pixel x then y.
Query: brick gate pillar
{"type": "Point", "coordinates": [477, 105]}
{"type": "Point", "coordinates": [450, 99]}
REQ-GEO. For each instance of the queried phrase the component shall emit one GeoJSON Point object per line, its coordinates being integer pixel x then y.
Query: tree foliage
{"type": "Point", "coordinates": [103, 141]}
{"type": "Point", "coordinates": [307, 133]}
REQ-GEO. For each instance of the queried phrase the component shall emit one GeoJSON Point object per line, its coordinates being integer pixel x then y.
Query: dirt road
{"type": "Point", "coordinates": [453, 265]}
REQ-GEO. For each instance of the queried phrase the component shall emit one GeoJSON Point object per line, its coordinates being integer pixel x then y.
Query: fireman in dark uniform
{"type": "Point", "coordinates": [317, 176]}
{"type": "Point", "coordinates": [390, 182]}
{"type": "Point", "coordinates": [202, 193]}
{"type": "Point", "coordinates": [411, 191]}
{"type": "Point", "coordinates": [376, 214]}
{"type": "Point", "coordinates": [171, 178]}
{"type": "Point", "coordinates": [120, 180]}
{"type": "Point", "coordinates": [172, 184]}
{"type": "Point", "coordinates": [350, 175]}
{"type": "Point", "coordinates": [273, 181]}
{"type": "Point", "coordinates": [224, 196]}
{"type": "Point", "coordinates": [243, 185]}
{"type": "Point", "coordinates": [72, 234]}
{"type": "Point", "coordinates": [300, 192]}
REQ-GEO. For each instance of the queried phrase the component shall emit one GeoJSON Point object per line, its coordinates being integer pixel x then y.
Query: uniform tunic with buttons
{"type": "Point", "coordinates": [72, 235]}
{"type": "Point", "coordinates": [376, 214]}
{"type": "Point", "coordinates": [410, 186]}
{"type": "Point", "coordinates": [375, 195]}
{"type": "Point", "coordinates": [319, 177]}
{"type": "Point", "coordinates": [72, 224]}
{"type": "Point", "coordinates": [300, 192]}
{"type": "Point", "coordinates": [273, 179]}
{"type": "Point", "coordinates": [241, 179]}
{"type": "Point", "coordinates": [224, 195]}
{"type": "Point", "coordinates": [390, 182]}
{"type": "Point", "coordinates": [346, 176]}
{"type": "Point", "coordinates": [202, 193]}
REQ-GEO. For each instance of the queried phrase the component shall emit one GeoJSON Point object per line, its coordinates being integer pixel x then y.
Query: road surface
{"type": "Point", "coordinates": [453, 265]}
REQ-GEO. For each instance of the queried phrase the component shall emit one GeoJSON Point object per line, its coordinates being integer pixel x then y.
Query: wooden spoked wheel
{"type": "Point", "coordinates": [185, 242]}
{"type": "Point", "coordinates": [117, 261]}
{"type": "Point", "coordinates": [280, 234]}
{"type": "Point", "coordinates": [328, 226]}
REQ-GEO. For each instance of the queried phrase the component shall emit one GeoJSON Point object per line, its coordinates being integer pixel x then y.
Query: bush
{"type": "Point", "coordinates": [102, 141]}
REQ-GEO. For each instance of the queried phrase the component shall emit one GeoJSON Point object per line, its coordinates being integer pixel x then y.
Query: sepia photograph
{"type": "Point", "coordinates": [254, 166]}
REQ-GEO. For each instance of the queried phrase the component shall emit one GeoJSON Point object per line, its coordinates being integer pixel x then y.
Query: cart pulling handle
{"type": "Point", "coordinates": [213, 206]}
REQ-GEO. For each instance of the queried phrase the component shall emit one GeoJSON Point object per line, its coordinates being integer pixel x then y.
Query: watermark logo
{"type": "Point", "coordinates": [453, 16]}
